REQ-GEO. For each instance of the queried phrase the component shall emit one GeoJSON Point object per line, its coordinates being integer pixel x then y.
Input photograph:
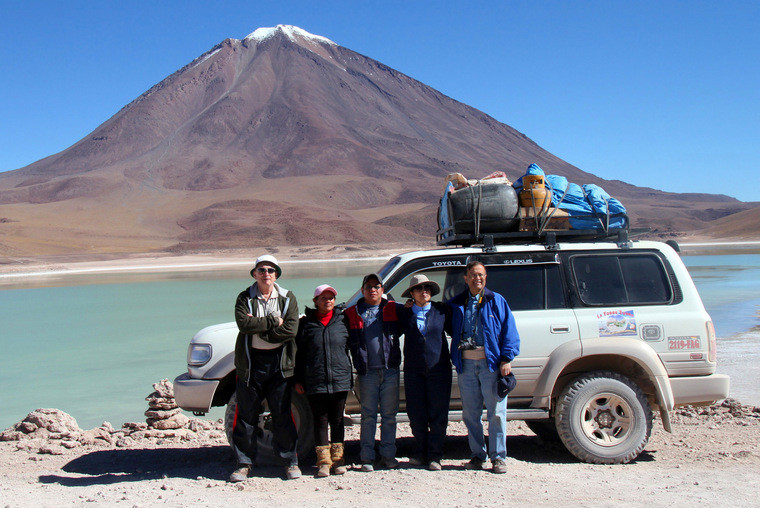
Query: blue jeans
{"type": "Point", "coordinates": [477, 385]}
{"type": "Point", "coordinates": [378, 387]}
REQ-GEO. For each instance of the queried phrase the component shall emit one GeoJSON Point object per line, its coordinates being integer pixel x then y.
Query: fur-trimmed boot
{"type": "Point", "coordinates": [336, 455]}
{"type": "Point", "coordinates": [323, 461]}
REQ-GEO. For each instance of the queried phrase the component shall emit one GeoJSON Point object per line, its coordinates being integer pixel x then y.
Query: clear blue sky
{"type": "Point", "coordinates": [663, 94]}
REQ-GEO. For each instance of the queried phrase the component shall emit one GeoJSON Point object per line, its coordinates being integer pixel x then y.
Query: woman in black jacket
{"type": "Point", "coordinates": [323, 373]}
{"type": "Point", "coordinates": [427, 367]}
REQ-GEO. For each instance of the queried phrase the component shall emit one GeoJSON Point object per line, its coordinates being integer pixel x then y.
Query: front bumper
{"type": "Point", "coordinates": [699, 389]}
{"type": "Point", "coordinates": [194, 395]}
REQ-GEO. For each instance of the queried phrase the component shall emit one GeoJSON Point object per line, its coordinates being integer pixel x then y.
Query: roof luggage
{"type": "Point", "coordinates": [548, 207]}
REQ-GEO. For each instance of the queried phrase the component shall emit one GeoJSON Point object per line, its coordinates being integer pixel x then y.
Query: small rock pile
{"type": "Point", "coordinates": [163, 412]}
{"type": "Point", "coordinates": [729, 409]}
{"type": "Point", "coordinates": [51, 431]}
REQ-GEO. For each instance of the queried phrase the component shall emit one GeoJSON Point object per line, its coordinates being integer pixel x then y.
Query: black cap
{"type": "Point", "coordinates": [506, 384]}
{"type": "Point", "coordinates": [371, 276]}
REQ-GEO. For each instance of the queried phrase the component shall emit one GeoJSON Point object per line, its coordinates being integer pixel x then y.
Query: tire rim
{"type": "Point", "coordinates": [607, 419]}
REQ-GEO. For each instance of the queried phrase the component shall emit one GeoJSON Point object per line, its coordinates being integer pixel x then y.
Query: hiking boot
{"type": "Point", "coordinates": [240, 474]}
{"type": "Point", "coordinates": [434, 465]}
{"type": "Point", "coordinates": [475, 463]}
{"type": "Point", "coordinates": [388, 462]}
{"type": "Point", "coordinates": [499, 466]}
{"type": "Point", "coordinates": [367, 468]}
{"type": "Point", "coordinates": [338, 461]}
{"type": "Point", "coordinates": [323, 461]}
{"type": "Point", "coordinates": [292, 472]}
{"type": "Point", "coordinates": [416, 462]}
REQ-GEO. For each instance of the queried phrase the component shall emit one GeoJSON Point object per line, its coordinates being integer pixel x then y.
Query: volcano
{"type": "Point", "coordinates": [282, 138]}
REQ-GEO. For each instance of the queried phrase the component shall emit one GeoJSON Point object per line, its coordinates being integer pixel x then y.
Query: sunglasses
{"type": "Point", "coordinates": [376, 287]}
{"type": "Point", "coordinates": [425, 287]}
{"type": "Point", "coordinates": [266, 270]}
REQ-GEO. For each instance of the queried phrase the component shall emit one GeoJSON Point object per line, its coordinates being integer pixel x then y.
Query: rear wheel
{"type": "Point", "coordinates": [604, 418]}
{"type": "Point", "coordinates": [301, 412]}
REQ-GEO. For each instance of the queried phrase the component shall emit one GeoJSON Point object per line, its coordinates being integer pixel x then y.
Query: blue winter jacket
{"type": "Point", "coordinates": [500, 336]}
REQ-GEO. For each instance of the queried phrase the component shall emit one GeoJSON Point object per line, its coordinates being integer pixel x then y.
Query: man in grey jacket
{"type": "Point", "coordinates": [267, 319]}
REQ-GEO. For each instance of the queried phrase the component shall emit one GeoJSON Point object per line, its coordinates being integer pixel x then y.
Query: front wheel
{"type": "Point", "coordinates": [604, 418]}
{"type": "Point", "coordinates": [301, 412]}
{"type": "Point", "coordinates": [545, 429]}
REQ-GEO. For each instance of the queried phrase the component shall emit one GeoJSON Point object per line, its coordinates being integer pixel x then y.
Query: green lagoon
{"type": "Point", "coordinates": [93, 344]}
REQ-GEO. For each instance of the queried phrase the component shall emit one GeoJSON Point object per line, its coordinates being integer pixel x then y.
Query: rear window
{"type": "Point", "coordinates": [619, 279]}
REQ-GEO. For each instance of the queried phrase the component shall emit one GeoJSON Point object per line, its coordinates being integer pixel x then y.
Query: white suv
{"type": "Point", "coordinates": [609, 331]}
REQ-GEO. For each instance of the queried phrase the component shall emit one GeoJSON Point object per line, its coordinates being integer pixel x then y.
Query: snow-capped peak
{"type": "Point", "coordinates": [293, 32]}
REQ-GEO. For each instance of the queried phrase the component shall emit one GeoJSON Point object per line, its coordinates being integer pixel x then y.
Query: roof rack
{"type": "Point", "coordinates": [448, 236]}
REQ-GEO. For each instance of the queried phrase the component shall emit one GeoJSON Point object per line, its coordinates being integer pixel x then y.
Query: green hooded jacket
{"type": "Point", "coordinates": [267, 329]}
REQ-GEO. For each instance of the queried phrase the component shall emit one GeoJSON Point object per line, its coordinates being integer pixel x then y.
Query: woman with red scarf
{"type": "Point", "coordinates": [323, 373]}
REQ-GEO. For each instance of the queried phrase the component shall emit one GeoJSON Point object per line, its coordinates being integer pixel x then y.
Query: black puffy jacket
{"type": "Point", "coordinates": [323, 364]}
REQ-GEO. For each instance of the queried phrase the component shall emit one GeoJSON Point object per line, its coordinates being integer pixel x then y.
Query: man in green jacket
{"type": "Point", "coordinates": [265, 352]}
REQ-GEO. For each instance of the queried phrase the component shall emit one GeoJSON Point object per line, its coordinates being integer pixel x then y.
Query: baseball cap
{"type": "Point", "coordinates": [506, 384]}
{"type": "Point", "coordinates": [370, 276]}
{"type": "Point", "coordinates": [324, 287]}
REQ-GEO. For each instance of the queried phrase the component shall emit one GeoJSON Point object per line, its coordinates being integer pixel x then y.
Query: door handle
{"type": "Point", "coordinates": [559, 328]}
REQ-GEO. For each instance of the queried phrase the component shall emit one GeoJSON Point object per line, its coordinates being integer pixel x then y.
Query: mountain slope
{"type": "Point", "coordinates": [282, 130]}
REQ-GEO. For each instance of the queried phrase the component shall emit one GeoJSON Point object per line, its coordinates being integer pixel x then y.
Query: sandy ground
{"type": "Point", "coordinates": [713, 457]}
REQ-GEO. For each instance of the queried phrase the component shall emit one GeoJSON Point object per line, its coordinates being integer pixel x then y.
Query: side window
{"type": "Point", "coordinates": [599, 279]}
{"type": "Point", "coordinates": [528, 287]}
{"type": "Point", "coordinates": [521, 286]}
{"type": "Point", "coordinates": [525, 287]}
{"type": "Point", "coordinates": [555, 288]}
{"type": "Point", "coordinates": [621, 279]}
{"type": "Point", "coordinates": [645, 279]}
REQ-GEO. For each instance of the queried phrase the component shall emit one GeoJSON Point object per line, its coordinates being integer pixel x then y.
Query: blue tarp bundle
{"type": "Point", "coordinates": [588, 206]}
{"type": "Point", "coordinates": [444, 222]}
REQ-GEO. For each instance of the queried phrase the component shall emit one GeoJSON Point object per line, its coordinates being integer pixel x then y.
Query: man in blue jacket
{"type": "Point", "coordinates": [485, 341]}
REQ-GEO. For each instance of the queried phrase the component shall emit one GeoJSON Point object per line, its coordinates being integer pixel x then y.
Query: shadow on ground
{"type": "Point", "coordinates": [104, 467]}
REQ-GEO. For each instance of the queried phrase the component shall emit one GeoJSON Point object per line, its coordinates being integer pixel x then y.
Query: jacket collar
{"type": "Point", "coordinates": [277, 291]}
{"type": "Point", "coordinates": [461, 298]}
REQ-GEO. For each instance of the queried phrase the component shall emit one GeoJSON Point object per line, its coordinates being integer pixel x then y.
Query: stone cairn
{"type": "Point", "coordinates": [163, 412]}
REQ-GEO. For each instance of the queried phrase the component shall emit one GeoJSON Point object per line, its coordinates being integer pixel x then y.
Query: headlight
{"type": "Point", "coordinates": [198, 354]}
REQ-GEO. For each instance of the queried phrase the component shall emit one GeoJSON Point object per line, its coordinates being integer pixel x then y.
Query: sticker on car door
{"type": "Point", "coordinates": [617, 323]}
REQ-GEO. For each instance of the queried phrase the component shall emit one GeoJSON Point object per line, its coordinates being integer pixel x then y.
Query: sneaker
{"type": "Point", "coordinates": [240, 474]}
{"type": "Point", "coordinates": [388, 462]}
{"type": "Point", "coordinates": [367, 468]}
{"type": "Point", "coordinates": [475, 463]}
{"type": "Point", "coordinates": [499, 466]}
{"type": "Point", "coordinates": [434, 465]}
{"type": "Point", "coordinates": [292, 472]}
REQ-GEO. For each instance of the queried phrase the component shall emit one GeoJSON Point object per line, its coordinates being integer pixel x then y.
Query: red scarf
{"type": "Point", "coordinates": [325, 318]}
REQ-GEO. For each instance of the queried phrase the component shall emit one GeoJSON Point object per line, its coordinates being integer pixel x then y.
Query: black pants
{"type": "Point", "coordinates": [327, 409]}
{"type": "Point", "coordinates": [266, 382]}
{"type": "Point", "coordinates": [427, 405]}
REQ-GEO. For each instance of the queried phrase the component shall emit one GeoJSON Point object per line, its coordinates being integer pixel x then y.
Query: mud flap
{"type": "Point", "coordinates": [665, 416]}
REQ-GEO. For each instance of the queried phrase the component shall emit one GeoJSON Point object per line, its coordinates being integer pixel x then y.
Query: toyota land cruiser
{"type": "Point", "coordinates": [610, 331]}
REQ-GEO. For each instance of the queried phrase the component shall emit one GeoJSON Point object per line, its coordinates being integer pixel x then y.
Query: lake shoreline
{"type": "Point", "coordinates": [207, 261]}
{"type": "Point", "coordinates": [35, 268]}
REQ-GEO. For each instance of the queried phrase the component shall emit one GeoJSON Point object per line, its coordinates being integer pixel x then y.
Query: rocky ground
{"type": "Point", "coordinates": [712, 456]}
